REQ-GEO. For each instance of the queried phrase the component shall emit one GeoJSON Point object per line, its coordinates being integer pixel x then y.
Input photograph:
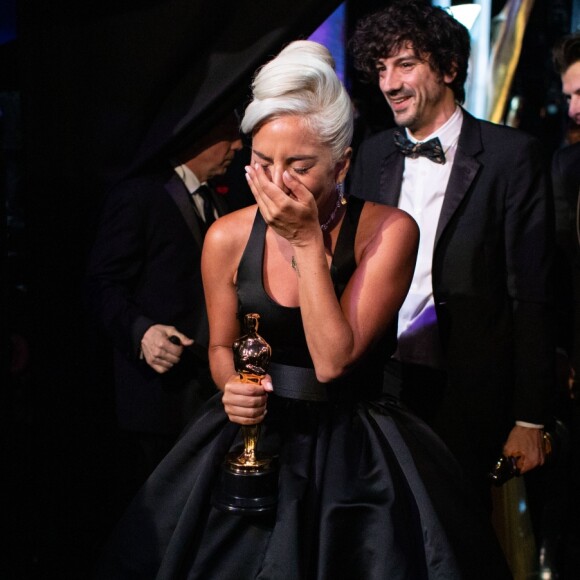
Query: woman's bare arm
{"type": "Point", "coordinates": [223, 247]}
{"type": "Point", "coordinates": [339, 333]}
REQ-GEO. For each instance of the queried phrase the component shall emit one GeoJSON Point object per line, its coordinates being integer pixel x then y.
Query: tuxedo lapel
{"type": "Point", "coordinates": [177, 190]}
{"type": "Point", "coordinates": [391, 175]}
{"type": "Point", "coordinates": [465, 168]}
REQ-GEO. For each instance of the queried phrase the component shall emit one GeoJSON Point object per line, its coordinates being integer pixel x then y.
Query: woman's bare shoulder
{"type": "Point", "coordinates": [378, 217]}
{"type": "Point", "coordinates": [232, 229]}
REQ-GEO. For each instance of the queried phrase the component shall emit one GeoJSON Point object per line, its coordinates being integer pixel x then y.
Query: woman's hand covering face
{"type": "Point", "coordinates": [291, 211]}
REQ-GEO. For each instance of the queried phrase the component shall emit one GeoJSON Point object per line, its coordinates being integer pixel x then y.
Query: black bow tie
{"type": "Point", "coordinates": [431, 149]}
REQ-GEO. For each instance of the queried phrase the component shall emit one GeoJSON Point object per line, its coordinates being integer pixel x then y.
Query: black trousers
{"type": "Point", "coordinates": [422, 389]}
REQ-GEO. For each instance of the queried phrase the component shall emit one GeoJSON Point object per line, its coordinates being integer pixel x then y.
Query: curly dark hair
{"type": "Point", "coordinates": [566, 52]}
{"type": "Point", "coordinates": [434, 34]}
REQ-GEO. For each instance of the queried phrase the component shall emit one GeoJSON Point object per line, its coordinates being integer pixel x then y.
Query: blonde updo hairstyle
{"type": "Point", "coordinates": [301, 81]}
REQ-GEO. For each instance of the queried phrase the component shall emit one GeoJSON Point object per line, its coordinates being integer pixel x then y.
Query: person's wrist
{"type": "Point", "coordinates": [529, 425]}
{"type": "Point", "coordinates": [307, 238]}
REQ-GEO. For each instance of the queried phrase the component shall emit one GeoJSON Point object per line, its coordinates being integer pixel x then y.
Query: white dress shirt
{"type": "Point", "coordinates": [422, 193]}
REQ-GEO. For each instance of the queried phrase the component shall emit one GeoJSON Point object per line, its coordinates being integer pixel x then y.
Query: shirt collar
{"type": "Point", "coordinates": [188, 177]}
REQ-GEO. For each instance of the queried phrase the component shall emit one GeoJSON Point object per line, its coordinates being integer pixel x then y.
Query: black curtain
{"type": "Point", "coordinates": [107, 86]}
{"type": "Point", "coordinates": [122, 80]}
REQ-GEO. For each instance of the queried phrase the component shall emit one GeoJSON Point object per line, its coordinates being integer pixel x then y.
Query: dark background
{"type": "Point", "coordinates": [87, 94]}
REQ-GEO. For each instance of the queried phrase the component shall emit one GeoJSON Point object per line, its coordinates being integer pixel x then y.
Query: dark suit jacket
{"type": "Point", "coordinates": [566, 184]}
{"type": "Point", "coordinates": [145, 270]}
{"type": "Point", "coordinates": [491, 265]}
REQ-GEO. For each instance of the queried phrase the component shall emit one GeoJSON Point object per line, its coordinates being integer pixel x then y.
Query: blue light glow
{"type": "Point", "coordinates": [332, 33]}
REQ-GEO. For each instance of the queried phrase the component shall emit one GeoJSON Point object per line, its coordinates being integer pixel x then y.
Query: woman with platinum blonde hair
{"type": "Point", "coordinates": [363, 488]}
{"type": "Point", "coordinates": [302, 81]}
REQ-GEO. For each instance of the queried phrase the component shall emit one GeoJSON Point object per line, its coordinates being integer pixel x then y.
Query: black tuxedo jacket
{"type": "Point", "coordinates": [566, 182]}
{"type": "Point", "coordinates": [145, 270]}
{"type": "Point", "coordinates": [491, 278]}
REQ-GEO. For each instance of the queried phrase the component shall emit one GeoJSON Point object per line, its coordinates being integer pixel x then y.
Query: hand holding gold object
{"type": "Point", "coordinates": [251, 357]}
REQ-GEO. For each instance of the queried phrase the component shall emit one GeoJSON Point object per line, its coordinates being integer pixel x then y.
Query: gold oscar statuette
{"type": "Point", "coordinates": [248, 479]}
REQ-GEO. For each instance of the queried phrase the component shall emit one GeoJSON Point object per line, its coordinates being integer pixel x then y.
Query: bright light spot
{"type": "Point", "coordinates": [466, 13]}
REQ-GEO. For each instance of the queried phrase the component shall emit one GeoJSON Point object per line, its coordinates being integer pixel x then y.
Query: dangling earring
{"type": "Point", "coordinates": [341, 199]}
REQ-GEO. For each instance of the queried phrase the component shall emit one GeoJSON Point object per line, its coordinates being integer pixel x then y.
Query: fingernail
{"type": "Point", "coordinates": [268, 386]}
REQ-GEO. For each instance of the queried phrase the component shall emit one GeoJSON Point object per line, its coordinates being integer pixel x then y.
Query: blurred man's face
{"type": "Point", "coordinates": [571, 89]}
{"type": "Point", "coordinates": [218, 149]}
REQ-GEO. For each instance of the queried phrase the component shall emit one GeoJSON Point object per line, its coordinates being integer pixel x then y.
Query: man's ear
{"type": "Point", "coordinates": [449, 77]}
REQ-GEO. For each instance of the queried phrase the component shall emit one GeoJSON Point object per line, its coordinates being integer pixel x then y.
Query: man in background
{"type": "Point", "coordinates": [144, 284]}
{"type": "Point", "coordinates": [560, 546]}
{"type": "Point", "coordinates": [566, 176]}
{"type": "Point", "coordinates": [476, 352]}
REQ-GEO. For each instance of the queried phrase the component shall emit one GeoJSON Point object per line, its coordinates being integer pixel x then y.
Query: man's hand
{"type": "Point", "coordinates": [528, 445]}
{"type": "Point", "coordinates": [159, 352]}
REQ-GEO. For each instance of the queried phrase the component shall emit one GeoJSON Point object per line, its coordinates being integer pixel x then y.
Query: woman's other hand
{"type": "Point", "coordinates": [245, 401]}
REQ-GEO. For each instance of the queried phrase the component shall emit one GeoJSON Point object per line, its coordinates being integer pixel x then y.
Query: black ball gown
{"type": "Point", "coordinates": [366, 490]}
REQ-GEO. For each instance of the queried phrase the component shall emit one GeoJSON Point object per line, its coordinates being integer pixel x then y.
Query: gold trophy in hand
{"type": "Point", "coordinates": [248, 480]}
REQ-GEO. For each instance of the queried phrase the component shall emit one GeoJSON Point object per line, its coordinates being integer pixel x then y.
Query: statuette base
{"type": "Point", "coordinates": [247, 489]}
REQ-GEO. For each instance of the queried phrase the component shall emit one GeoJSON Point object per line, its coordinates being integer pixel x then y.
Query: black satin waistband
{"type": "Point", "coordinates": [297, 383]}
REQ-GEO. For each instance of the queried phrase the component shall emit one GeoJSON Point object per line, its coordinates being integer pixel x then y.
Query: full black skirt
{"type": "Point", "coordinates": [366, 491]}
